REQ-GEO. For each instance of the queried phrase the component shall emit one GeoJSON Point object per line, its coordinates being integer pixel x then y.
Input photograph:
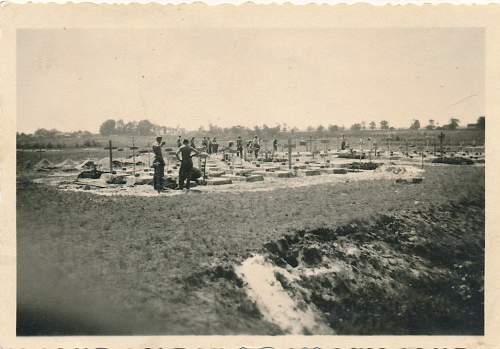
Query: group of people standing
{"type": "Point", "coordinates": [209, 145]}
{"type": "Point", "coordinates": [184, 154]}
{"type": "Point", "coordinates": [187, 149]}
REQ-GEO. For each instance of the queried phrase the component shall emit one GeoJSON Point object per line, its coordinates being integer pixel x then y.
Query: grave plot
{"type": "Point", "coordinates": [133, 175]}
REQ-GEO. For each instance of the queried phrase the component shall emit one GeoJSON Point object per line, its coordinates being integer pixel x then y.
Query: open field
{"type": "Point", "coordinates": [90, 264]}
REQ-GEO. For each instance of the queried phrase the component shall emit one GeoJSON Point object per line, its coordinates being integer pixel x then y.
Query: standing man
{"type": "Point", "coordinates": [179, 142]}
{"type": "Point", "coordinates": [342, 145]}
{"type": "Point", "coordinates": [204, 144]}
{"type": "Point", "coordinates": [158, 165]}
{"type": "Point", "coordinates": [239, 147]}
{"type": "Point", "coordinates": [186, 163]}
{"type": "Point", "coordinates": [275, 146]}
{"type": "Point", "coordinates": [192, 143]}
{"type": "Point", "coordinates": [256, 146]}
{"type": "Point", "coordinates": [210, 147]}
{"type": "Point", "coordinates": [215, 146]}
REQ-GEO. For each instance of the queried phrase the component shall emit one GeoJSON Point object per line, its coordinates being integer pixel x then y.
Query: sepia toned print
{"type": "Point", "coordinates": [148, 202]}
{"type": "Point", "coordinates": [248, 176]}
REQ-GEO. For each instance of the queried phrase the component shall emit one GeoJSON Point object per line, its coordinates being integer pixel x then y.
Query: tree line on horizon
{"type": "Point", "coordinates": [147, 128]}
{"type": "Point", "coordinates": [44, 138]}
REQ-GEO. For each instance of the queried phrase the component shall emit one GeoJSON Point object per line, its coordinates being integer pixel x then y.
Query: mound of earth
{"type": "Point", "coordinates": [408, 272]}
{"type": "Point", "coordinates": [453, 161]}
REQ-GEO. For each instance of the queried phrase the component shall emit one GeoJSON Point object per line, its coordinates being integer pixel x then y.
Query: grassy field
{"type": "Point", "coordinates": [90, 264]}
{"type": "Point", "coordinates": [399, 138]}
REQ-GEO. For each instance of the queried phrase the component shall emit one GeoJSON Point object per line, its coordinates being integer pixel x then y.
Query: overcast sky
{"type": "Point", "coordinates": [75, 79]}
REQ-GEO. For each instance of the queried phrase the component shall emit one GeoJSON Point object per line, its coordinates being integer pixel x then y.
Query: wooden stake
{"type": "Point", "coordinates": [110, 147]}
{"type": "Point", "coordinates": [133, 147]}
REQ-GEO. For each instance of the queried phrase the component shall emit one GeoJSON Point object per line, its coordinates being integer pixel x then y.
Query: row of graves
{"type": "Point", "coordinates": [226, 168]}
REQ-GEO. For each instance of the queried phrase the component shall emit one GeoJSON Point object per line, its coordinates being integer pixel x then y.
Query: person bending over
{"type": "Point", "coordinates": [186, 153]}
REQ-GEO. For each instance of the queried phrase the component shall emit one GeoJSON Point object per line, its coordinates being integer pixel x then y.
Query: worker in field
{"type": "Point", "coordinates": [215, 146]}
{"type": "Point", "coordinates": [204, 144]}
{"type": "Point", "coordinates": [158, 164]}
{"type": "Point", "coordinates": [256, 146]}
{"type": "Point", "coordinates": [184, 154]}
{"type": "Point", "coordinates": [179, 142]}
{"type": "Point", "coordinates": [209, 141]}
{"type": "Point", "coordinates": [275, 146]}
{"type": "Point", "coordinates": [192, 143]}
{"type": "Point", "coordinates": [239, 147]}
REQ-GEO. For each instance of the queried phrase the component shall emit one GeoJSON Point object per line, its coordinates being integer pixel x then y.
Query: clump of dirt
{"type": "Point", "coordinates": [417, 271]}
{"type": "Point", "coordinates": [362, 166]}
{"type": "Point", "coordinates": [453, 161]}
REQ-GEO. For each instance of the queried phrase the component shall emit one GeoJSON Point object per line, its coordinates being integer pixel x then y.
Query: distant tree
{"type": "Point", "coordinates": [363, 125]}
{"type": "Point", "coordinates": [320, 129]}
{"type": "Point", "coordinates": [384, 125]}
{"type": "Point", "coordinates": [373, 125]}
{"type": "Point", "coordinates": [453, 125]}
{"type": "Point", "coordinates": [356, 127]}
{"type": "Point", "coordinates": [42, 132]}
{"type": "Point", "coordinates": [333, 128]}
{"type": "Point", "coordinates": [130, 128]}
{"type": "Point", "coordinates": [310, 129]}
{"type": "Point", "coordinates": [145, 128]}
{"type": "Point", "coordinates": [107, 127]}
{"type": "Point", "coordinates": [481, 123]}
{"type": "Point", "coordinates": [415, 125]}
{"type": "Point", "coordinates": [120, 127]}
{"type": "Point", "coordinates": [431, 125]}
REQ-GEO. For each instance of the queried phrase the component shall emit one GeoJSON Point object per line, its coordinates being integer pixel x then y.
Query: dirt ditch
{"type": "Point", "coordinates": [408, 272]}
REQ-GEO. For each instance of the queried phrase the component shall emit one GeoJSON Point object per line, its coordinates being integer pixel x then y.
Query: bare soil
{"type": "Point", "coordinates": [91, 264]}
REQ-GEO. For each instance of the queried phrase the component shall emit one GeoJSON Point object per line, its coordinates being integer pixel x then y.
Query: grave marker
{"type": "Point", "coordinates": [133, 148]}
{"type": "Point", "coordinates": [441, 138]}
{"type": "Point", "coordinates": [110, 148]}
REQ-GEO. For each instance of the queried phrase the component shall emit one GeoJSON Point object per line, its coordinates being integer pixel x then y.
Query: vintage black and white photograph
{"type": "Point", "coordinates": [250, 181]}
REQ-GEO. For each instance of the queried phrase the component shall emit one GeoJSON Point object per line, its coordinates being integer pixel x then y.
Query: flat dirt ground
{"type": "Point", "coordinates": [90, 264]}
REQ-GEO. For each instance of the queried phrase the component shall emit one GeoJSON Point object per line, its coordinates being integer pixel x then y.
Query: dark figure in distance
{"type": "Point", "coordinates": [192, 143]}
{"type": "Point", "coordinates": [179, 142]}
{"type": "Point", "coordinates": [215, 146]}
{"type": "Point", "coordinates": [239, 147]}
{"type": "Point", "coordinates": [186, 163]}
{"type": "Point", "coordinates": [256, 146]}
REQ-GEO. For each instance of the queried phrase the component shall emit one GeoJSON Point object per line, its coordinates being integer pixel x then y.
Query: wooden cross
{"type": "Point", "coordinates": [133, 148]}
{"type": "Point", "coordinates": [289, 147]}
{"type": "Point", "coordinates": [110, 147]}
{"type": "Point", "coordinates": [40, 151]}
{"type": "Point", "coordinates": [441, 138]}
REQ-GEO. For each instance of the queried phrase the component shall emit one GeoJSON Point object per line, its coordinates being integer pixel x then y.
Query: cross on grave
{"type": "Point", "coordinates": [441, 138]}
{"type": "Point", "coordinates": [110, 148]}
{"type": "Point", "coordinates": [325, 143]}
{"type": "Point", "coordinates": [40, 151]}
{"type": "Point", "coordinates": [289, 146]}
{"type": "Point", "coordinates": [133, 148]}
